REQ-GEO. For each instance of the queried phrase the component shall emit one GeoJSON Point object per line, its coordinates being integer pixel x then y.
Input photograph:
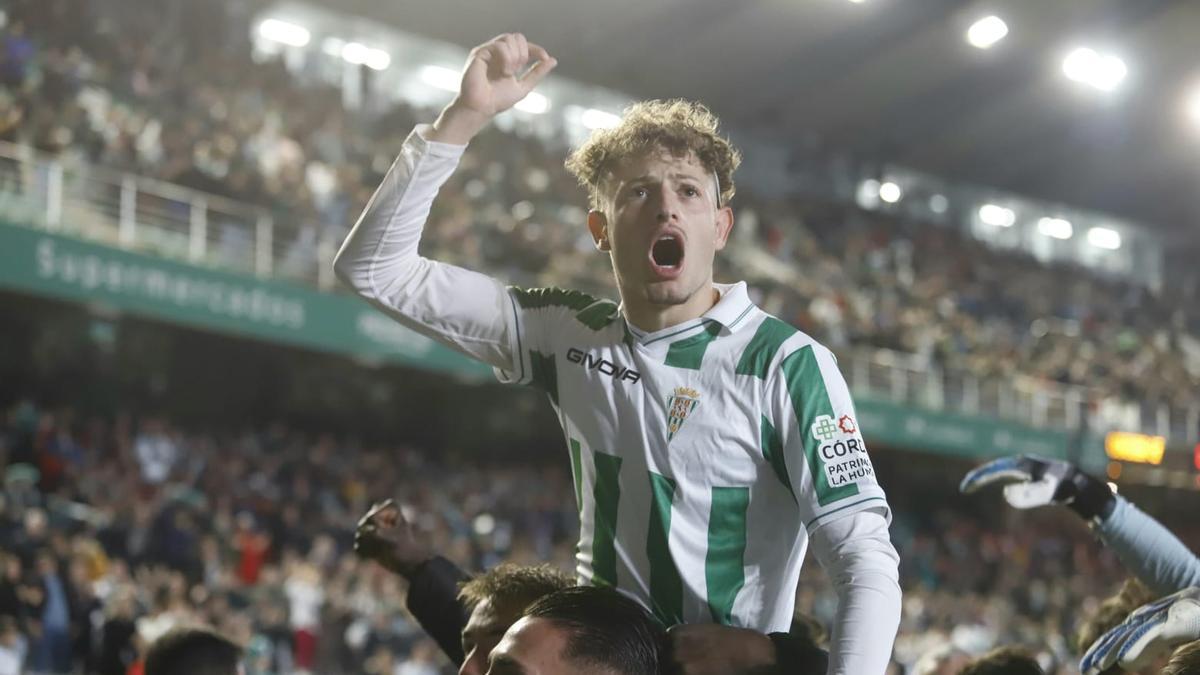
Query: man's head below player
{"type": "Point", "coordinates": [584, 630]}
{"type": "Point", "coordinates": [193, 651]}
{"type": "Point", "coordinates": [497, 598]}
{"type": "Point", "coordinates": [660, 185]}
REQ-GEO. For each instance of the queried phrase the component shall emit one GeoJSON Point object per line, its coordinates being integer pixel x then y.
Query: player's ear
{"type": "Point", "coordinates": [724, 226]}
{"type": "Point", "coordinates": [597, 224]}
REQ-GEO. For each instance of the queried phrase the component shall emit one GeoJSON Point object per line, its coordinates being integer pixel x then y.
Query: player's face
{"type": "Point", "coordinates": [532, 646]}
{"type": "Point", "coordinates": [663, 228]}
{"type": "Point", "coordinates": [483, 631]}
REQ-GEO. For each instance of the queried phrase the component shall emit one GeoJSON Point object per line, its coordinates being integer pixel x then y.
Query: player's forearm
{"type": "Point", "coordinates": [457, 125]}
{"type": "Point", "coordinates": [1151, 552]}
{"type": "Point", "coordinates": [463, 310]}
{"type": "Point", "coordinates": [859, 557]}
{"type": "Point", "coordinates": [380, 252]}
{"type": "Point", "coordinates": [867, 620]}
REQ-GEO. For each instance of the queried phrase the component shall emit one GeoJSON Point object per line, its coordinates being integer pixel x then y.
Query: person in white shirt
{"type": "Point", "coordinates": [710, 441]}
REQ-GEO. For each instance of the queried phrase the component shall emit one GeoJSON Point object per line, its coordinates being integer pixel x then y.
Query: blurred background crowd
{"type": "Point", "coordinates": [117, 526]}
{"type": "Point", "coordinates": [114, 86]}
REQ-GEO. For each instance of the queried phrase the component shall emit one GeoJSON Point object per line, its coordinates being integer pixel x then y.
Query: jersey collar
{"type": "Point", "coordinates": [731, 313]}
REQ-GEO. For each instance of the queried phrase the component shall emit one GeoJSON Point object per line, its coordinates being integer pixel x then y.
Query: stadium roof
{"type": "Point", "coordinates": [896, 80]}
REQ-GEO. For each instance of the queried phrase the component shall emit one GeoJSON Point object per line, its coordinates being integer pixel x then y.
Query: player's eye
{"type": "Point", "coordinates": [691, 191]}
{"type": "Point", "coordinates": [639, 192]}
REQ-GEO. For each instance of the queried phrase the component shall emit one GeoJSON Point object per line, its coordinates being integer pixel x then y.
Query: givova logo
{"type": "Point", "coordinates": [603, 365]}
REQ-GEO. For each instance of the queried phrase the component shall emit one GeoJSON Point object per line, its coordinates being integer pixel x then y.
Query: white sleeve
{"type": "Point", "coordinates": [857, 554]}
{"type": "Point", "coordinates": [469, 312]}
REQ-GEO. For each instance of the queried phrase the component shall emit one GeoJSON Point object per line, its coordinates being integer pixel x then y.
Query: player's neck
{"type": "Point", "coordinates": [651, 318]}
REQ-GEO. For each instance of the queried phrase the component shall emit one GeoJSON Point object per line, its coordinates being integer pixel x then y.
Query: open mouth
{"type": "Point", "coordinates": [667, 251]}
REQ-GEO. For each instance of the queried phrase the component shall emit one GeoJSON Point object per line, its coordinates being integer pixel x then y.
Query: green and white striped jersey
{"type": "Point", "coordinates": [702, 454]}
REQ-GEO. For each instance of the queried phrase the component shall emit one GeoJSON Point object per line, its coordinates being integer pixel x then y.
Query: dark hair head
{"type": "Point", "coordinates": [606, 629]}
{"type": "Point", "coordinates": [1004, 661]}
{"type": "Point", "coordinates": [514, 585]}
{"type": "Point", "coordinates": [193, 651]}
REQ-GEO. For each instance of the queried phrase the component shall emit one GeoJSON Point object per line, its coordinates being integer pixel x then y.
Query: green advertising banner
{"type": "Point", "coordinates": [47, 264]}
{"type": "Point", "coordinates": [900, 426]}
{"type": "Point", "coordinates": [51, 265]}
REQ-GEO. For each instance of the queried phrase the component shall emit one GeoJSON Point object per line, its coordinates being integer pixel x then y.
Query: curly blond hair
{"type": "Point", "coordinates": [677, 126]}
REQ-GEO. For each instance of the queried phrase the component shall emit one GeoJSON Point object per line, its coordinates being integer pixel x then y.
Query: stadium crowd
{"type": "Point", "coordinates": [154, 99]}
{"type": "Point", "coordinates": [117, 529]}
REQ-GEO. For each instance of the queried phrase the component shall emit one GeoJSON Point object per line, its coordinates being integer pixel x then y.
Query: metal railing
{"type": "Point", "coordinates": [161, 219]}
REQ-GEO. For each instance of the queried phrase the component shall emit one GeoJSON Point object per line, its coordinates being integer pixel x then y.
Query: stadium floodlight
{"type": "Point", "coordinates": [333, 46]}
{"type": "Point", "coordinates": [1193, 107]}
{"type": "Point", "coordinates": [998, 216]}
{"type": "Point", "coordinates": [939, 203]}
{"type": "Point", "coordinates": [1102, 237]}
{"type": "Point", "coordinates": [533, 103]}
{"type": "Point", "coordinates": [446, 79]}
{"type": "Point", "coordinates": [356, 53]}
{"type": "Point", "coordinates": [986, 32]}
{"type": "Point", "coordinates": [284, 32]}
{"type": "Point", "coordinates": [1101, 71]}
{"type": "Point", "coordinates": [1058, 228]}
{"type": "Point", "coordinates": [377, 59]}
{"type": "Point", "coordinates": [599, 119]}
{"type": "Point", "coordinates": [890, 192]}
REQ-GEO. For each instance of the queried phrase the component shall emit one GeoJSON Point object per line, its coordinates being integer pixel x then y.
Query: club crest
{"type": "Point", "coordinates": [679, 406]}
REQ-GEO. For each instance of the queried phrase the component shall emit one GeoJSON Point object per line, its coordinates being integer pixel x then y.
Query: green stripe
{"type": "Point", "coordinates": [666, 589]}
{"type": "Point", "coordinates": [772, 449]}
{"type": "Point", "coordinates": [577, 469]}
{"type": "Point", "coordinates": [536, 298]}
{"type": "Point", "coordinates": [689, 352]}
{"type": "Point", "coordinates": [598, 315]}
{"type": "Point", "coordinates": [607, 495]}
{"type": "Point", "coordinates": [759, 352]}
{"type": "Point", "coordinates": [545, 373]}
{"type": "Point", "coordinates": [810, 400]}
{"type": "Point", "coordinates": [724, 567]}
{"type": "Point", "coordinates": [520, 347]}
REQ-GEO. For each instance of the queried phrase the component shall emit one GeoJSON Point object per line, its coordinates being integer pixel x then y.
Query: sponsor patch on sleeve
{"type": "Point", "coordinates": [843, 453]}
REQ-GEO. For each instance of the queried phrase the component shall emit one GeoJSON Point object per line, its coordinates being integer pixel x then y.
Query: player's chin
{"type": "Point", "coordinates": [672, 292]}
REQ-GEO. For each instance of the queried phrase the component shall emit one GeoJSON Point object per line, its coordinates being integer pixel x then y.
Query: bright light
{"type": "Point", "coordinates": [599, 119]}
{"type": "Point", "coordinates": [533, 103]}
{"type": "Point", "coordinates": [356, 53]}
{"type": "Point", "coordinates": [1102, 237]}
{"type": "Point", "coordinates": [1193, 107]}
{"type": "Point", "coordinates": [857, 2]}
{"type": "Point", "coordinates": [986, 32]}
{"type": "Point", "coordinates": [1055, 227]}
{"type": "Point", "coordinates": [333, 46]}
{"type": "Point", "coordinates": [377, 59]}
{"type": "Point", "coordinates": [890, 192]}
{"type": "Point", "coordinates": [1102, 71]}
{"type": "Point", "coordinates": [446, 79]}
{"type": "Point", "coordinates": [939, 204]}
{"type": "Point", "coordinates": [997, 215]}
{"type": "Point", "coordinates": [284, 32]}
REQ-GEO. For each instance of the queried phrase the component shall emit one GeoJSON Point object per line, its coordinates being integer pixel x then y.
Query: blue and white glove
{"type": "Point", "coordinates": [1030, 481]}
{"type": "Point", "coordinates": [1149, 632]}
